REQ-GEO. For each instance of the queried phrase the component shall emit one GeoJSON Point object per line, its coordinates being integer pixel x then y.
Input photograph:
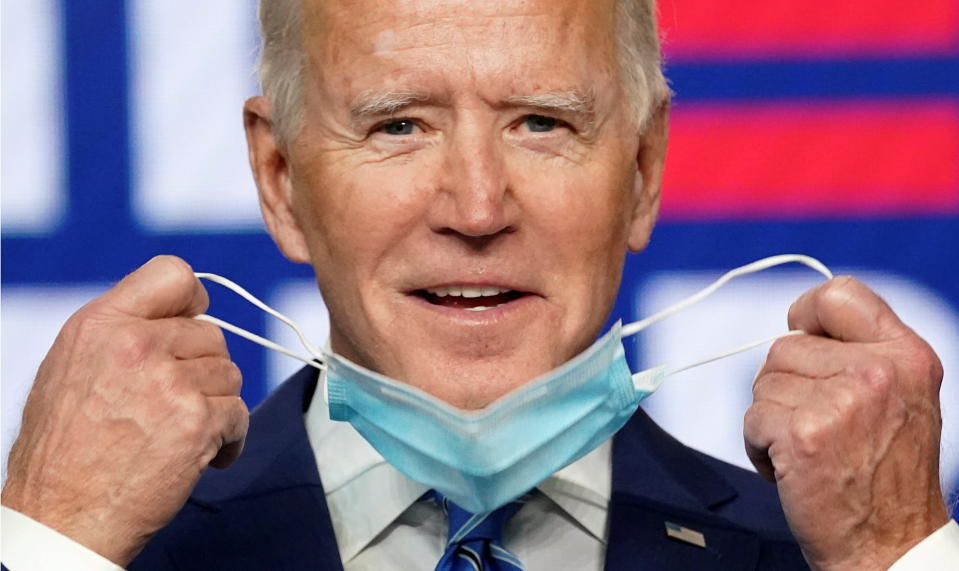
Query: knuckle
{"type": "Point", "coordinates": [837, 291]}
{"type": "Point", "coordinates": [77, 327]}
{"type": "Point", "coordinates": [174, 265]}
{"type": "Point", "coordinates": [914, 346]}
{"type": "Point", "coordinates": [217, 338]}
{"type": "Point", "coordinates": [177, 272]}
{"type": "Point", "coordinates": [166, 376]}
{"type": "Point", "coordinates": [132, 345]}
{"type": "Point", "coordinates": [756, 422]}
{"type": "Point", "coordinates": [796, 309]}
{"type": "Point", "coordinates": [193, 417]}
{"type": "Point", "coordinates": [242, 415]}
{"type": "Point", "coordinates": [878, 376]}
{"type": "Point", "coordinates": [846, 401]}
{"type": "Point", "coordinates": [761, 385]}
{"type": "Point", "coordinates": [810, 434]}
{"type": "Point", "coordinates": [924, 361]}
{"type": "Point", "coordinates": [779, 349]}
{"type": "Point", "coordinates": [84, 325]}
{"type": "Point", "coordinates": [751, 421]}
{"type": "Point", "coordinates": [934, 369]}
{"type": "Point", "coordinates": [244, 408]}
{"type": "Point", "coordinates": [234, 377]}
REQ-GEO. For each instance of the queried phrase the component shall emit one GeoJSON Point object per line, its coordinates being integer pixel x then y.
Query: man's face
{"type": "Point", "coordinates": [466, 183]}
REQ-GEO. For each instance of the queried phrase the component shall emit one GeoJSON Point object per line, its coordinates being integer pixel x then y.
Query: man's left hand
{"type": "Point", "coordinates": [846, 421]}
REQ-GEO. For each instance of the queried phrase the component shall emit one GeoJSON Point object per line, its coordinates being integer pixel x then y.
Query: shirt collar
{"type": "Point", "coordinates": [365, 494]}
{"type": "Point", "coordinates": [582, 489]}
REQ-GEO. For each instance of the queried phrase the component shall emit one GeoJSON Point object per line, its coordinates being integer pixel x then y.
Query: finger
{"type": "Point", "coordinates": [163, 287]}
{"type": "Point", "coordinates": [786, 389]}
{"type": "Point", "coordinates": [232, 417]}
{"type": "Point", "coordinates": [819, 398]}
{"type": "Point", "coordinates": [764, 425]}
{"type": "Point", "coordinates": [189, 338]}
{"type": "Point", "coordinates": [811, 356]}
{"type": "Point", "coordinates": [210, 376]}
{"type": "Point", "coordinates": [845, 309]}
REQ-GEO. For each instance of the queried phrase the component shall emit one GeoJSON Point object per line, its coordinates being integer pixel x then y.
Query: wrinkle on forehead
{"type": "Point", "coordinates": [511, 46]}
{"type": "Point", "coordinates": [386, 26]}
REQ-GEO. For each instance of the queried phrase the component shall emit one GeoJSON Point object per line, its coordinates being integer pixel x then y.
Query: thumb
{"type": "Point", "coordinates": [845, 309]}
{"type": "Point", "coordinates": [163, 287]}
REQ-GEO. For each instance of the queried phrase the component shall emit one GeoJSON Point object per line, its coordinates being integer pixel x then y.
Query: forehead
{"type": "Point", "coordinates": [513, 45]}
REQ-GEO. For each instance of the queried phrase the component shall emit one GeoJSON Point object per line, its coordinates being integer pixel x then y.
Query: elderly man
{"type": "Point", "coordinates": [465, 179]}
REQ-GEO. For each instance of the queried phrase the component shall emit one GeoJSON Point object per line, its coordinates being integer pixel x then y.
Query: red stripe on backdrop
{"type": "Point", "coordinates": [798, 160]}
{"type": "Point", "coordinates": [710, 29]}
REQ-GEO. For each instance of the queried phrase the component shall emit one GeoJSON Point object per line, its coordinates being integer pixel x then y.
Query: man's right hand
{"type": "Point", "coordinates": [130, 405]}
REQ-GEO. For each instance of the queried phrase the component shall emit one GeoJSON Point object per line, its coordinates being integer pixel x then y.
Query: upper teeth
{"type": "Point", "coordinates": [466, 291]}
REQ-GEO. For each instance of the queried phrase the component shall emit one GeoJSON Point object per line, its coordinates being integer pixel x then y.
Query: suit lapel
{"type": "Point", "coordinates": [268, 510]}
{"type": "Point", "coordinates": [658, 482]}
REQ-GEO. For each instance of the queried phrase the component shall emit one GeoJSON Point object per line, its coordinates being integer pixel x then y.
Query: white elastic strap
{"type": "Point", "coordinates": [319, 362]}
{"type": "Point", "coordinates": [236, 288]}
{"type": "Point", "coordinates": [739, 349]}
{"type": "Point", "coordinates": [759, 265]}
{"type": "Point", "coordinates": [257, 339]}
{"type": "Point", "coordinates": [765, 263]}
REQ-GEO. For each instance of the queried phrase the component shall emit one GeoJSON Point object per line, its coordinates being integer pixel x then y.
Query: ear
{"type": "Point", "coordinates": [650, 159]}
{"type": "Point", "coordinates": [271, 171]}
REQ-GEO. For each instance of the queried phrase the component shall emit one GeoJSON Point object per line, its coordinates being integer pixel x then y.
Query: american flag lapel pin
{"type": "Point", "coordinates": [685, 534]}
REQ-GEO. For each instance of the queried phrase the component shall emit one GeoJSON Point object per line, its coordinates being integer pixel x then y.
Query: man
{"type": "Point", "coordinates": [411, 151]}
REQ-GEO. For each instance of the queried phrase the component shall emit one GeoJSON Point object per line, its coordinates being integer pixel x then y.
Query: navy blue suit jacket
{"type": "Point", "coordinates": [268, 512]}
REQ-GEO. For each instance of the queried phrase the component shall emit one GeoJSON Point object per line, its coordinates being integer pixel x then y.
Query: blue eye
{"type": "Point", "coordinates": [398, 127]}
{"type": "Point", "coordinates": [540, 123]}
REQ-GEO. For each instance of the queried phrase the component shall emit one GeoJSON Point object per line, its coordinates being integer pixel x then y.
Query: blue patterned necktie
{"type": "Point", "coordinates": [473, 542]}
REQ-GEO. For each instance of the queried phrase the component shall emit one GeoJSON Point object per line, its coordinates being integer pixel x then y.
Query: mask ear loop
{"type": "Point", "coordinates": [640, 380]}
{"type": "Point", "coordinates": [318, 360]}
{"type": "Point", "coordinates": [644, 381]}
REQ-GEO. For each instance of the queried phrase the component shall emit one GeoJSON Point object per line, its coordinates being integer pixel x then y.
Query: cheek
{"type": "Point", "coordinates": [583, 208]}
{"type": "Point", "coordinates": [353, 214]}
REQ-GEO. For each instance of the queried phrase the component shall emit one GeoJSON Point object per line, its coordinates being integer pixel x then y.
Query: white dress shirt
{"type": "Point", "coordinates": [375, 510]}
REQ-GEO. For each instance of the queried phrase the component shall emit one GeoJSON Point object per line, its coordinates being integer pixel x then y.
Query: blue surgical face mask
{"type": "Point", "coordinates": [485, 458]}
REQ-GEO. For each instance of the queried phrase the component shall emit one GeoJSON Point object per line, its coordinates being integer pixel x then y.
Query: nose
{"type": "Point", "coordinates": [473, 199]}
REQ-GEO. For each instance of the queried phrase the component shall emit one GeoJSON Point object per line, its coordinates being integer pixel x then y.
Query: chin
{"type": "Point", "coordinates": [475, 384]}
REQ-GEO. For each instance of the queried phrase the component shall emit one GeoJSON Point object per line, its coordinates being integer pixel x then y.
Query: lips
{"type": "Point", "coordinates": [470, 297]}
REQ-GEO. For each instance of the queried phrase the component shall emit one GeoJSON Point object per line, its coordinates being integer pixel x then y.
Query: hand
{"type": "Point", "coordinates": [846, 421]}
{"type": "Point", "coordinates": [130, 405]}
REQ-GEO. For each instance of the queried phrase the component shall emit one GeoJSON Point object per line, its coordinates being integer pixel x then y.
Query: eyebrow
{"type": "Point", "coordinates": [373, 103]}
{"type": "Point", "coordinates": [574, 101]}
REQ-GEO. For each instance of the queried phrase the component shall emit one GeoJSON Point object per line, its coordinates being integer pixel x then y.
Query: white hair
{"type": "Point", "coordinates": [640, 58]}
{"type": "Point", "coordinates": [282, 61]}
{"type": "Point", "coordinates": [282, 64]}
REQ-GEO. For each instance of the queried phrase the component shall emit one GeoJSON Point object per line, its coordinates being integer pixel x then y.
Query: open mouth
{"type": "Point", "coordinates": [469, 298]}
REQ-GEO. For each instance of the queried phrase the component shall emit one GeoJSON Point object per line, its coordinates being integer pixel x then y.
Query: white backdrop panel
{"type": "Point", "coordinates": [190, 74]}
{"type": "Point", "coordinates": [32, 129]}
